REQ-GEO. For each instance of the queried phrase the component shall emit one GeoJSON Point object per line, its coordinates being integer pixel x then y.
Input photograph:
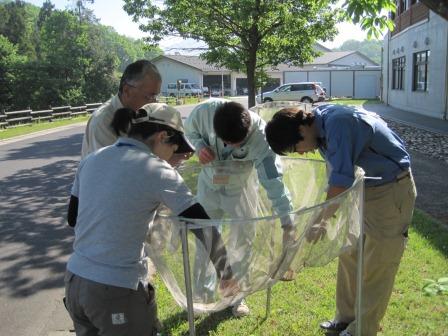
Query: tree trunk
{"type": "Point", "coordinates": [250, 69]}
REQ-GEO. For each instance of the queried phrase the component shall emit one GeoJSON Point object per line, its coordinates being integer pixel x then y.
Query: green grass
{"type": "Point", "coordinates": [355, 102]}
{"type": "Point", "coordinates": [36, 127]}
{"type": "Point", "coordinates": [298, 306]}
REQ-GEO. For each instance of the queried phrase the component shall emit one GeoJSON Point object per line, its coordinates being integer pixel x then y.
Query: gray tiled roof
{"type": "Point", "coordinates": [200, 64]}
{"type": "Point", "coordinates": [329, 57]}
{"type": "Point", "coordinates": [195, 62]}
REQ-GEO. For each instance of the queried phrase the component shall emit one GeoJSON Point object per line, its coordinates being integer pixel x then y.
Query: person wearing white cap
{"type": "Point", "coordinates": [114, 197]}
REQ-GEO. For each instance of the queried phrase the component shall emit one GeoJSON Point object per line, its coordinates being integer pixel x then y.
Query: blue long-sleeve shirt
{"type": "Point", "coordinates": [351, 136]}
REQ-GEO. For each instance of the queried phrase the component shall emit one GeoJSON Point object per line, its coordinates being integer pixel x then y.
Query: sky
{"type": "Point", "coordinates": [111, 13]}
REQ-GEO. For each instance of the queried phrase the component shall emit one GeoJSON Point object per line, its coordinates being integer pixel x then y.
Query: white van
{"type": "Point", "coordinates": [305, 92]}
{"type": "Point", "coordinates": [185, 89]}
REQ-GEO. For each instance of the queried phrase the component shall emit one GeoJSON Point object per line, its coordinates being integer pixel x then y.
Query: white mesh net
{"type": "Point", "coordinates": [252, 233]}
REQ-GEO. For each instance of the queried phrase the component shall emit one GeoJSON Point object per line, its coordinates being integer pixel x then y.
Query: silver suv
{"type": "Point", "coordinates": [305, 92]}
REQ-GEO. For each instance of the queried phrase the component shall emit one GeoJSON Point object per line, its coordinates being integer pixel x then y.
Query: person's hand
{"type": "Point", "coordinates": [177, 159]}
{"type": "Point", "coordinates": [316, 232]}
{"type": "Point", "coordinates": [206, 155]}
{"type": "Point", "coordinates": [289, 238]}
{"type": "Point", "coordinates": [229, 287]}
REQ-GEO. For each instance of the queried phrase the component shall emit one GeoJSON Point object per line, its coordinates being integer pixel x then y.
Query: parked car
{"type": "Point", "coordinates": [305, 92]}
{"type": "Point", "coordinates": [215, 91]}
{"type": "Point", "coordinates": [185, 89]}
{"type": "Point", "coordinates": [205, 91]}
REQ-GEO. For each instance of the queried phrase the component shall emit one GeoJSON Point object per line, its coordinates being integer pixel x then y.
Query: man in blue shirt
{"type": "Point", "coordinates": [348, 137]}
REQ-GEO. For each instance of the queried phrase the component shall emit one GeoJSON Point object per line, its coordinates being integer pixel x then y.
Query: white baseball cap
{"type": "Point", "coordinates": [164, 114]}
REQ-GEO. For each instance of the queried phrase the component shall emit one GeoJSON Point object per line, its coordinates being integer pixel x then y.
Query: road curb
{"type": "Point", "coordinates": [39, 133]}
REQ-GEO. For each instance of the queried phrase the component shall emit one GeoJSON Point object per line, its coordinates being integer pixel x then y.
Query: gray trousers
{"type": "Point", "coordinates": [103, 310]}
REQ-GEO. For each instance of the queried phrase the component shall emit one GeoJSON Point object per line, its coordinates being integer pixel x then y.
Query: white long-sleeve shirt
{"type": "Point", "coordinates": [99, 132]}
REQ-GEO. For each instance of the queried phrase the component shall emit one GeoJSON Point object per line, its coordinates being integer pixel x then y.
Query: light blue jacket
{"type": "Point", "coordinates": [255, 149]}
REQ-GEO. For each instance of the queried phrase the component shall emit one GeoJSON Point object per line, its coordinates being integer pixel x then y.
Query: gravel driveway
{"type": "Point", "coordinates": [429, 155]}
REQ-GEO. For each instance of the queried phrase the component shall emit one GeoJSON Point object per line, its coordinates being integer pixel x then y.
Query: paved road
{"type": "Point", "coordinates": [35, 178]}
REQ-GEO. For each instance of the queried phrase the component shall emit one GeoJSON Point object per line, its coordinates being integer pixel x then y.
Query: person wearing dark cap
{"type": "Point", "coordinates": [114, 197]}
{"type": "Point", "coordinates": [348, 137]}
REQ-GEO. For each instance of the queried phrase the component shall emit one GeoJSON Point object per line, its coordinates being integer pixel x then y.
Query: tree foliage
{"type": "Point", "coordinates": [51, 57]}
{"type": "Point", "coordinates": [372, 15]}
{"type": "Point", "coordinates": [243, 35]}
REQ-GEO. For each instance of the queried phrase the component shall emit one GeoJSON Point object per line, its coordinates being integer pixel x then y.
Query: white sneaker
{"type": "Point", "coordinates": [240, 309]}
{"type": "Point", "coordinates": [345, 333]}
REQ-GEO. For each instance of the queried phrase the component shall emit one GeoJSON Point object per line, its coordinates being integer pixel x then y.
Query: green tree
{"type": "Point", "coordinates": [243, 35]}
{"type": "Point", "coordinates": [71, 60]}
{"type": "Point", "coordinates": [17, 25]}
{"type": "Point", "coordinates": [63, 41]}
{"type": "Point", "coordinates": [80, 9]}
{"type": "Point", "coordinates": [372, 15]}
{"type": "Point", "coordinates": [9, 60]}
{"type": "Point", "coordinates": [44, 12]}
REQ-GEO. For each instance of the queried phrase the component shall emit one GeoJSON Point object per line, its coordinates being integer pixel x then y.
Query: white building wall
{"type": "Point", "coordinates": [428, 35]}
{"type": "Point", "coordinates": [367, 84]}
{"type": "Point", "coordinates": [320, 76]}
{"type": "Point", "coordinates": [171, 71]}
{"type": "Point", "coordinates": [363, 83]}
{"type": "Point", "coordinates": [341, 84]}
{"type": "Point", "coordinates": [295, 76]}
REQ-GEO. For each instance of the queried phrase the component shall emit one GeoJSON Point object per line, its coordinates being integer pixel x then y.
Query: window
{"type": "Point", "coordinates": [285, 88]}
{"type": "Point", "coordinates": [309, 87]}
{"type": "Point", "coordinates": [420, 75]}
{"type": "Point", "coordinates": [398, 70]}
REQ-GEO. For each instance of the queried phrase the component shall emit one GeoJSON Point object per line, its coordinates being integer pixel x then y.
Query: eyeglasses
{"type": "Point", "coordinates": [149, 97]}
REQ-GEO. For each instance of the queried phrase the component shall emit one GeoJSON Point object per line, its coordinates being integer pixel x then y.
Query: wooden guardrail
{"type": "Point", "coordinates": [18, 117]}
{"type": "Point", "coordinates": [3, 122]}
{"type": "Point", "coordinates": [43, 115]}
{"type": "Point", "coordinates": [78, 111]}
{"type": "Point", "coordinates": [62, 112]}
{"type": "Point", "coordinates": [90, 108]}
{"type": "Point", "coordinates": [25, 117]}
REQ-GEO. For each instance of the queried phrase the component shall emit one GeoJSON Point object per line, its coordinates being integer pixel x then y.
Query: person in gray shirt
{"type": "Point", "coordinates": [114, 198]}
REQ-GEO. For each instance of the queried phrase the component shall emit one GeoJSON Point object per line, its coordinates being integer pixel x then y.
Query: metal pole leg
{"type": "Point", "coordinates": [360, 266]}
{"type": "Point", "coordinates": [188, 290]}
{"type": "Point", "coordinates": [268, 301]}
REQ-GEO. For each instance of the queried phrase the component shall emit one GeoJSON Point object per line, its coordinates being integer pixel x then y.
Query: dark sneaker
{"type": "Point", "coordinates": [334, 326]}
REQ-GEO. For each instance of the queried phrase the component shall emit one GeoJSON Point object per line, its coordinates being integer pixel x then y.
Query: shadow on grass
{"type": "Point", "coordinates": [432, 230]}
{"type": "Point", "coordinates": [208, 324]}
{"type": "Point", "coordinates": [203, 327]}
